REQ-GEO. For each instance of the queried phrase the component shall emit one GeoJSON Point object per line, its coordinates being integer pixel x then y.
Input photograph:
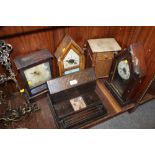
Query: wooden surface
{"type": "Point", "coordinates": [64, 83]}
{"type": "Point", "coordinates": [137, 53]}
{"type": "Point", "coordinates": [32, 59]}
{"type": "Point", "coordinates": [27, 39]}
{"type": "Point", "coordinates": [101, 61]}
{"type": "Point", "coordinates": [62, 50]}
{"type": "Point", "coordinates": [104, 45]}
{"type": "Point", "coordinates": [147, 98]}
{"type": "Point", "coordinates": [43, 119]}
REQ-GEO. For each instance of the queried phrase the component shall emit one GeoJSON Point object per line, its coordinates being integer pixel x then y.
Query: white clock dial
{"type": "Point", "coordinates": [38, 75]}
{"type": "Point", "coordinates": [72, 59]}
{"type": "Point", "coordinates": [124, 70]}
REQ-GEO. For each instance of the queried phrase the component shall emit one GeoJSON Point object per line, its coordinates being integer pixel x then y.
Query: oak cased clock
{"type": "Point", "coordinates": [100, 53]}
{"type": "Point", "coordinates": [70, 56]}
{"type": "Point", "coordinates": [36, 70]}
{"type": "Point", "coordinates": [127, 71]}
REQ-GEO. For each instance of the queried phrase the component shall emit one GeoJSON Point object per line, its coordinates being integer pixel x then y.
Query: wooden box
{"type": "Point", "coordinates": [73, 99]}
{"type": "Point", "coordinates": [100, 53]}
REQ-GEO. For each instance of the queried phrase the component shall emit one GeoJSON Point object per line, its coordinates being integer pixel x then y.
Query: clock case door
{"type": "Point", "coordinates": [35, 91]}
{"type": "Point", "coordinates": [81, 57]}
{"type": "Point", "coordinates": [125, 90]}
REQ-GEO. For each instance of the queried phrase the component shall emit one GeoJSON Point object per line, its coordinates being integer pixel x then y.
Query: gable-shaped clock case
{"type": "Point", "coordinates": [70, 56]}
{"type": "Point", "coordinates": [127, 72]}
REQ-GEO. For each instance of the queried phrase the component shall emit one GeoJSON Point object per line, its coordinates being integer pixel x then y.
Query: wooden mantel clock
{"type": "Point", "coordinates": [70, 56]}
{"type": "Point", "coordinates": [127, 71]}
{"type": "Point", "coordinates": [35, 69]}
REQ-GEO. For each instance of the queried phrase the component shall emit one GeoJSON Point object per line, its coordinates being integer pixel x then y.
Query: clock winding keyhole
{"type": "Point", "coordinates": [124, 70]}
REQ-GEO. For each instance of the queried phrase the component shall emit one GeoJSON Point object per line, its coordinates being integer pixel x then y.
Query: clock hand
{"type": "Point", "coordinates": [71, 61]}
{"type": "Point", "coordinates": [35, 73]}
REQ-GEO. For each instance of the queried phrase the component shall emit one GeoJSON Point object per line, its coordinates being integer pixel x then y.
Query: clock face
{"type": "Point", "coordinates": [38, 75]}
{"type": "Point", "coordinates": [72, 59]}
{"type": "Point", "coordinates": [123, 69]}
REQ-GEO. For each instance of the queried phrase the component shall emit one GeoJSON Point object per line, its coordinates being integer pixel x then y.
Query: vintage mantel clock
{"type": "Point", "coordinates": [70, 56]}
{"type": "Point", "coordinates": [36, 69]}
{"type": "Point", "coordinates": [127, 71]}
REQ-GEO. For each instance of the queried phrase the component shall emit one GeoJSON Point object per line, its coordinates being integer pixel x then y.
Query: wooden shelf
{"type": "Point", "coordinates": [147, 98]}
{"type": "Point", "coordinates": [110, 103]}
{"type": "Point", "coordinates": [43, 119]}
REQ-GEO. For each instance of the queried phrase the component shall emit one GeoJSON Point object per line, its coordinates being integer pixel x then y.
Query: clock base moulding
{"type": "Point", "coordinates": [36, 97]}
{"type": "Point", "coordinates": [115, 94]}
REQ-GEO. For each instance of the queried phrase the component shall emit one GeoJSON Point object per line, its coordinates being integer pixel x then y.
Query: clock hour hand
{"type": "Point", "coordinates": [124, 70]}
{"type": "Point", "coordinates": [35, 73]}
{"type": "Point", "coordinates": [71, 61]}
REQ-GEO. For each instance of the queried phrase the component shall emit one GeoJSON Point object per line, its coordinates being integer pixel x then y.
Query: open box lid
{"type": "Point", "coordinates": [71, 80]}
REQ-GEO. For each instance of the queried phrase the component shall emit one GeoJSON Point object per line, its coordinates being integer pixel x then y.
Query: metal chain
{"type": "Point", "coordinates": [12, 114]}
{"type": "Point", "coordinates": [5, 50]}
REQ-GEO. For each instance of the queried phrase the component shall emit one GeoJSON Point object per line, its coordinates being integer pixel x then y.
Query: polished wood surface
{"type": "Point", "coordinates": [125, 90]}
{"type": "Point", "coordinates": [27, 39]}
{"type": "Point", "coordinates": [62, 50]}
{"type": "Point", "coordinates": [43, 119]}
{"type": "Point", "coordinates": [64, 83]}
{"type": "Point", "coordinates": [64, 95]}
{"type": "Point", "coordinates": [100, 61]}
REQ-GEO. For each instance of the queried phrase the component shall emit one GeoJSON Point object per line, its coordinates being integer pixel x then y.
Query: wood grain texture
{"type": "Point", "coordinates": [41, 119]}
{"type": "Point", "coordinates": [64, 83]}
{"type": "Point", "coordinates": [35, 38]}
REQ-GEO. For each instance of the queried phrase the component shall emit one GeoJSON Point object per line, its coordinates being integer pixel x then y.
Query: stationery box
{"type": "Point", "coordinates": [73, 99]}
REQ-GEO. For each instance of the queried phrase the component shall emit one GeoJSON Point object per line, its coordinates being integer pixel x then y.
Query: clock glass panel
{"type": "Point", "coordinates": [72, 59]}
{"type": "Point", "coordinates": [38, 75]}
{"type": "Point", "coordinates": [123, 69]}
{"type": "Point", "coordinates": [71, 71]}
{"type": "Point", "coordinates": [121, 76]}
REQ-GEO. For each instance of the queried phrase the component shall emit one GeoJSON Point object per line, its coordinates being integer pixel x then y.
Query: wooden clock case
{"type": "Point", "coordinates": [124, 90]}
{"type": "Point", "coordinates": [66, 88]}
{"type": "Point", "coordinates": [100, 54]}
{"type": "Point", "coordinates": [66, 44]}
{"type": "Point", "coordinates": [29, 61]}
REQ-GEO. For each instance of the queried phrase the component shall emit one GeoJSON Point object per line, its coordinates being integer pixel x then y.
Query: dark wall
{"type": "Point", "coordinates": [28, 39]}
